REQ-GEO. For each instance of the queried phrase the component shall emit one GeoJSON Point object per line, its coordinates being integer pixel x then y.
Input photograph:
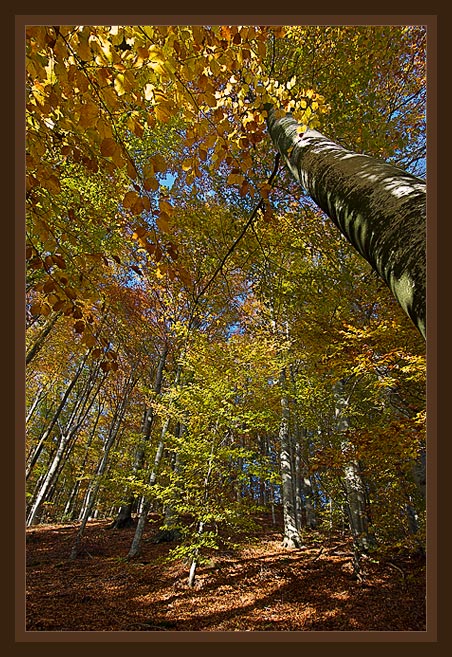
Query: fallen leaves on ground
{"type": "Point", "coordinates": [260, 586]}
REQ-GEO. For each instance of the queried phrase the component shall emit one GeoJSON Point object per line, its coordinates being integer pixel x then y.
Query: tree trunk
{"type": "Point", "coordinates": [95, 483]}
{"type": "Point", "coordinates": [379, 208]}
{"type": "Point", "coordinates": [124, 517]}
{"type": "Point", "coordinates": [136, 543]}
{"type": "Point", "coordinates": [81, 409]}
{"type": "Point", "coordinates": [37, 450]}
{"type": "Point", "coordinates": [70, 508]}
{"type": "Point", "coordinates": [42, 492]}
{"type": "Point", "coordinates": [39, 343]}
{"type": "Point", "coordinates": [354, 486]}
{"type": "Point", "coordinates": [291, 537]}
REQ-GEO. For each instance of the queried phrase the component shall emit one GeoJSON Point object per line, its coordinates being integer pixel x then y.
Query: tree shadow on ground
{"type": "Point", "coordinates": [264, 588]}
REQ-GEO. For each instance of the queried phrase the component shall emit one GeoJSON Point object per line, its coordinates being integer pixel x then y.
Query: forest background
{"type": "Point", "coordinates": [201, 341]}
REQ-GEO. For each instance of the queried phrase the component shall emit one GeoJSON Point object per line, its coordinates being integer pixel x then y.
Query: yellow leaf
{"type": "Point", "coordinates": [83, 50]}
{"type": "Point", "coordinates": [79, 326]}
{"type": "Point", "coordinates": [89, 340]}
{"type": "Point", "coordinates": [45, 309]}
{"type": "Point", "coordinates": [88, 115]}
{"type": "Point", "coordinates": [166, 207]}
{"type": "Point", "coordinates": [162, 113]}
{"type": "Point", "coordinates": [235, 179]}
{"type": "Point", "coordinates": [184, 276]}
{"type": "Point", "coordinates": [71, 293]}
{"type": "Point", "coordinates": [119, 84]}
{"type": "Point", "coordinates": [149, 92]}
{"type": "Point", "coordinates": [139, 232]}
{"type": "Point", "coordinates": [131, 171]}
{"type": "Point", "coordinates": [36, 309]}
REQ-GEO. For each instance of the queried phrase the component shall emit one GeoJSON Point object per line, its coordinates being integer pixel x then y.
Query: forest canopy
{"type": "Point", "coordinates": [202, 341]}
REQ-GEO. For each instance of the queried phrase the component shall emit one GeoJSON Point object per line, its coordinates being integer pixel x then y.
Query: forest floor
{"type": "Point", "coordinates": [259, 586]}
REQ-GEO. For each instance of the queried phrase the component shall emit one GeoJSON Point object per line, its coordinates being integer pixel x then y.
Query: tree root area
{"type": "Point", "coordinates": [258, 586]}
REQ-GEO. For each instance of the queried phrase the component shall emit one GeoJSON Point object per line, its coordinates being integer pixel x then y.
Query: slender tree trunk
{"type": "Point", "coordinates": [78, 416]}
{"type": "Point", "coordinates": [69, 510]}
{"type": "Point", "coordinates": [37, 450]}
{"type": "Point", "coordinates": [291, 537]}
{"type": "Point", "coordinates": [41, 394]}
{"type": "Point", "coordinates": [354, 486]}
{"type": "Point", "coordinates": [41, 495]}
{"type": "Point", "coordinates": [136, 543]}
{"type": "Point", "coordinates": [37, 346]}
{"type": "Point", "coordinates": [306, 487]}
{"type": "Point", "coordinates": [379, 208]}
{"type": "Point", "coordinates": [195, 558]}
{"type": "Point", "coordinates": [124, 517]}
{"type": "Point", "coordinates": [94, 485]}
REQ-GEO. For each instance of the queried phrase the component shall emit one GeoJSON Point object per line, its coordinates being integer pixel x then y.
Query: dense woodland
{"type": "Point", "coordinates": [207, 355]}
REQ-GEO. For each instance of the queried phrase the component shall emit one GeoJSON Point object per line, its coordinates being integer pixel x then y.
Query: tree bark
{"type": "Point", "coordinates": [354, 486]}
{"type": "Point", "coordinates": [379, 208]}
{"type": "Point", "coordinates": [291, 537]}
{"type": "Point", "coordinates": [80, 411]}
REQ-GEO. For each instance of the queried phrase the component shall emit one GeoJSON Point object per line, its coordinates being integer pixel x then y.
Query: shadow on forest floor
{"type": "Point", "coordinates": [262, 587]}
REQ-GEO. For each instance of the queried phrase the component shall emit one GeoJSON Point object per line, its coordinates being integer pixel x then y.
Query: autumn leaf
{"type": "Point", "coordinates": [163, 222]}
{"type": "Point", "coordinates": [79, 327]}
{"type": "Point", "coordinates": [108, 147]}
{"type": "Point", "coordinates": [52, 184]}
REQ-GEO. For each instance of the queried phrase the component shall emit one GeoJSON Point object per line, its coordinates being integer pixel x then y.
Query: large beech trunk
{"type": "Point", "coordinates": [379, 208]}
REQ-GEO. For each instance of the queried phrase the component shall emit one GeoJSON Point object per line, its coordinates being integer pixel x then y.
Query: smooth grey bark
{"type": "Point", "coordinates": [304, 499]}
{"type": "Point", "coordinates": [42, 492]}
{"type": "Point", "coordinates": [70, 507]}
{"type": "Point", "coordinates": [40, 395]}
{"type": "Point", "coordinates": [291, 538]}
{"type": "Point", "coordinates": [195, 557]}
{"type": "Point", "coordinates": [136, 542]}
{"type": "Point", "coordinates": [353, 483]}
{"type": "Point", "coordinates": [378, 207]}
